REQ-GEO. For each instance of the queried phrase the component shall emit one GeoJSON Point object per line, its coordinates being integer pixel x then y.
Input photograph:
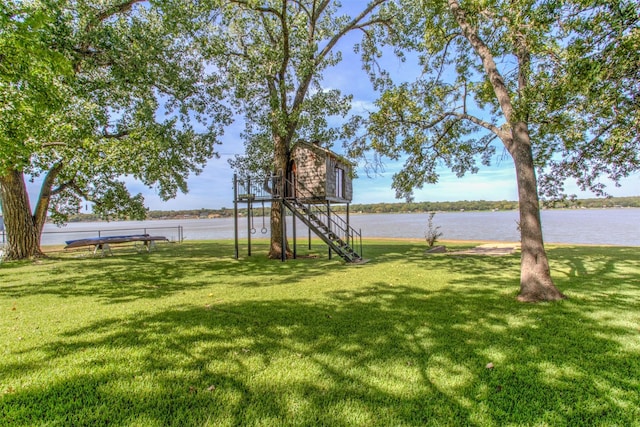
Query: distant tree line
{"type": "Point", "coordinates": [613, 202]}
{"type": "Point", "coordinates": [490, 205]}
{"type": "Point", "coordinates": [413, 207]}
{"type": "Point", "coordinates": [409, 207]}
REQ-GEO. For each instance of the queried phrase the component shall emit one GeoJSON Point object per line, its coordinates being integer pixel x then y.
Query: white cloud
{"type": "Point", "coordinates": [362, 106]}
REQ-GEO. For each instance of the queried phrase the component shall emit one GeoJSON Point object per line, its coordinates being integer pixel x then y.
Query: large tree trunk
{"type": "Point", "coordinates": [275, 248]}
{"type": "Point", "coordinates": [281, 161]}
{"type": "Point", "coordinates": [535, 276]}
{"type": "Point", "coordinates": [23, 231]}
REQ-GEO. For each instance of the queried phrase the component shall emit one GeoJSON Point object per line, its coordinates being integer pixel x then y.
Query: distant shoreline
{"type": "Point", "coordinates": [391, 208]}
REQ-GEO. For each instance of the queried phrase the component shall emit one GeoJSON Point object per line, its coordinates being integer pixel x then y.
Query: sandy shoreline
{"type": "Point", "coordinates": [486, 242]}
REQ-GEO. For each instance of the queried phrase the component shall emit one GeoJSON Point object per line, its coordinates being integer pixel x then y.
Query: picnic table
{"type": "Point", "coordinates": [102, 243]}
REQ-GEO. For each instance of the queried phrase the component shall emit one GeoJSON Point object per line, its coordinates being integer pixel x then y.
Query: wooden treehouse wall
{"type": "Point", "coordinates": [323, 173]}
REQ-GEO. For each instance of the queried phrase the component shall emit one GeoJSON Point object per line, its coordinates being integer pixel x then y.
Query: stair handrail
{"type": "Point", "coordinates": [336, 223]}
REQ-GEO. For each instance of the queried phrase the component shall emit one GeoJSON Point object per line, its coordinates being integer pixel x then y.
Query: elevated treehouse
{"type": "Point", "coordinates": [315, 179]}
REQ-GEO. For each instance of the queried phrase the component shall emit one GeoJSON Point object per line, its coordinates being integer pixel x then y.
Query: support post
{"type": "Point", "coordinates": [309, 219]}
{"type": "Point", "coordinates": [235, 214]}
{"type": "Point", "coordinates": [329, 222]}
{"type": "Point", "coordinates": [283, 223]}
{"type": "Point", "coordinates": [249, 211]}
{"type": "Point", "coordinates": [295, 243]}
{"type": "Point", "coordinates": [349, 242]}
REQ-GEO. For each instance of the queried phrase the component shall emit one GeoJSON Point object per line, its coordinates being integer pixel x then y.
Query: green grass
{"type": "Point", "coordinates": [187, 335]}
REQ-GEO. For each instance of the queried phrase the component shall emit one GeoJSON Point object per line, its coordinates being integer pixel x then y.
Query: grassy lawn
{"type": "Point", "coordinates": [187, 335]}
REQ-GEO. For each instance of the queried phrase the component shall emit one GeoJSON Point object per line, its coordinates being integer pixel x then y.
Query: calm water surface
{"type": "Point", "coordinates": [580, 226]}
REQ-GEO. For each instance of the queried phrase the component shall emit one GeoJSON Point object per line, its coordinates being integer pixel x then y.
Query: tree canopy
{"type": "Point", "coordinates": [32, 79]}
{"type": "Point", "coordinates": [571, 69]}
{"type": "Point", "coordinates": [551, 81]}
{"type": "Point", "coordinates": [589, 106]}
{"type": "Point", "coordinates": [113, 91]}
{"type": "Point", "coordinates": [272, 55]}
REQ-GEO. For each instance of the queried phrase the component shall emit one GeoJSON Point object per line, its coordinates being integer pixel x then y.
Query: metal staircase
{"type": "Point", "coordinates": [325, 223]}
{"type": "Point", "coordinates": [337, 236]}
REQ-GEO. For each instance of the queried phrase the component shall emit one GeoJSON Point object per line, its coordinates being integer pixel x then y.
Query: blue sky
{"type": "Point", "coordinates": [213, 187]}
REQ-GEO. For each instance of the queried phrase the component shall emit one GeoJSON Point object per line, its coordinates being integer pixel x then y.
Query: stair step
{"type": "Point", "coordinates": [315, 222]}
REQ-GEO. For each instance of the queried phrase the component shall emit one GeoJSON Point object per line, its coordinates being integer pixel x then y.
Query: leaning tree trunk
{"type": "Point", "coordinates": [535, 276]}
{"type": "Point", "coordinates": [23, 232]}
{"type": "Point", "coordinates": [281, 163]}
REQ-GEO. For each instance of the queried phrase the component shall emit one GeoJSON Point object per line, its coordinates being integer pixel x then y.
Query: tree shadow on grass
{"type": "Point", "coordinates": [371, 355]}
{"type": "Point", "coordinates": [129, 276]}
{"type": "Point", "coordinates": [170, 270]}
{"type": "Point", "coordinates": [374, 354]}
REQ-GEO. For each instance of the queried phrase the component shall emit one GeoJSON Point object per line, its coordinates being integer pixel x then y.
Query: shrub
{"type": "Point", "coordinates": [432, 233]}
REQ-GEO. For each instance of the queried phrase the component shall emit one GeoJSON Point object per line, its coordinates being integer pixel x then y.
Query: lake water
{"type": "Point", "coordinates": [580, 226]}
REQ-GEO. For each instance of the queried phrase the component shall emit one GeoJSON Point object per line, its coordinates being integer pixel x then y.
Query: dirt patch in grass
{"type": "Point", "coordinates": [491, 249]}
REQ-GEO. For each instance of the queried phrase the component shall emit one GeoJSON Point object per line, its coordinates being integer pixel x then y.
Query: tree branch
{"type": "Point", "coordinates": [500, 133]}
{"type": "Point", "coordinates": [261, 9]}
{"type": "Point", "coordinates": [69, 184]}
{"type": "Point", "coordinates": [286, 49]}
{"type": "Point", "coordinates": [353, 24]}
{"type": "Point", "coordinates": [42, 206]}
{"type": "Point", "coordinates": [118, 135]}
{"type": "Point", "coordinates": [85, 48]}
{"type": "Point", "coordinates": [496, 79]}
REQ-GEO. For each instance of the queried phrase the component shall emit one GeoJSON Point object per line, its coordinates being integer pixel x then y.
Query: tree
{"type": "Point", "coordinates": [594, 102]}
{"type": "Point", "coordinates": [529, 74]}
{"type": "Point", "coordinates": [30, 92]}
{"type": "Point", "coordinates": [85, 88]}
{"type": "Point", "coordinates": [272, 54]}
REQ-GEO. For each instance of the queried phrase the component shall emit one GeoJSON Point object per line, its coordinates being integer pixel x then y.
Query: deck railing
{"type": "Point", "coordinates": [257, 188]}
